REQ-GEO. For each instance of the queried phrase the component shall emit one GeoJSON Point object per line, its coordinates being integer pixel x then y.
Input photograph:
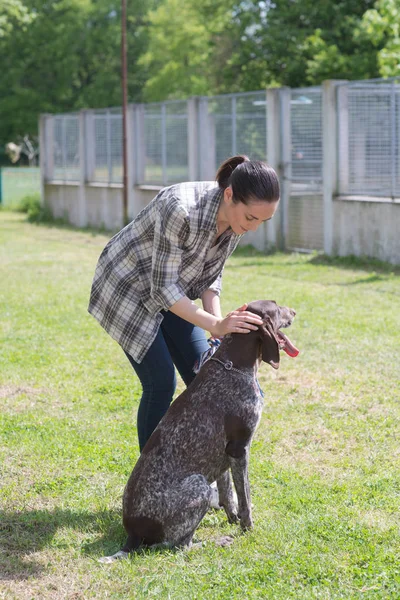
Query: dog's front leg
{"type": "Point", "coordinates": [240, 473]}
{"type": "Point", "coordinates": [225, 494]}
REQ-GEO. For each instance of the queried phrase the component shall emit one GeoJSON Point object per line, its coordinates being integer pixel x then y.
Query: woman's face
{"type": "Point", "coordinates": [247, 217]}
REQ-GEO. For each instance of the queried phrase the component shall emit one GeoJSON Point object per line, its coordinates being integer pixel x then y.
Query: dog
{"type": "Point", "coordinates": [206, 432]}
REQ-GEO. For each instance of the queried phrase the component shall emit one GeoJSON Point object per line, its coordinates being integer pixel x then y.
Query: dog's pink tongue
{"type": "Point", "coordinates": [288, 347]}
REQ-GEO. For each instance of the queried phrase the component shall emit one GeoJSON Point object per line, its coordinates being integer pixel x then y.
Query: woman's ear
{"type": "Point", "coordinates": [228, 195]}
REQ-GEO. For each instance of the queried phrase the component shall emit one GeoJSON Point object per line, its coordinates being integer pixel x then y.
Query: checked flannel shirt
{"type": "Point", "coordinates": [157, 259]}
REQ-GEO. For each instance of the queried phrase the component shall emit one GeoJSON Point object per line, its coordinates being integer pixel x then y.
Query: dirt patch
{"type": "Point", "coordinates": [11, 391]}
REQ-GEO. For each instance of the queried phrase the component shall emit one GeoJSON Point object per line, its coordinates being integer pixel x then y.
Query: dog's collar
{"type": "Point", "coordinates": [228, 366]}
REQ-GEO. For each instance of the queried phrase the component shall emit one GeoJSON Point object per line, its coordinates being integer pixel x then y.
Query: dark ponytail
{"type": "Point", "coordinates": [250, 179]}
{"type": "Point", "coordinates": [225, 171]}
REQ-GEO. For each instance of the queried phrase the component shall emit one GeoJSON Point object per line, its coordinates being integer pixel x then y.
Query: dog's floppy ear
{"type": "Point", "coordinates": [270, 346]}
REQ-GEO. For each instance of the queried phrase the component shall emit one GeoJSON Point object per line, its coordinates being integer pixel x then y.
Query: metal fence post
{"type": "Point", "coordinates": [393, 140]}
{"type": "Point", "coordinates": [207, 146]}
{"type": "Point", "coordinates": [43, 151]}
{"type": "Point", "coordinates": [343, 161]}
{"type": "Point", "coordinates": [82, 208]}
{"type": "Point", "coordinates": [285, 160]}
{"type": "Point", "coordinates": [140, 144]}
{"type": "Point", "coordinates": [193, 138]}
{"type": "Point", "coordinates": [130, 133]}
{"type": "Point", "coordinates": [164, 143]}
{"type": "Point", "coordinates": [274, 150]}
{"type": "Point", "coordinates": [329, 155]}
{"type": "Point", "coordinates": [234, 126]}
{"type": "Point", "coordinates": [90, 146]}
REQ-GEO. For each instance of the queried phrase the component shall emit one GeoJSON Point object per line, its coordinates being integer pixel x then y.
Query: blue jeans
{"type": "Point", "coordinates": [177, 343]}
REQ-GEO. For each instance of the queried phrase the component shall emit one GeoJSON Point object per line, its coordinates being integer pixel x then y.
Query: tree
{"type": "Point", "coordinates": [381, 25]}
{"type": "Point", "coordinates": [300, 42]}
{"type": "Point", "coordinates": [62, 56]}
{"type": "Point", "coordinates": [187, 44]}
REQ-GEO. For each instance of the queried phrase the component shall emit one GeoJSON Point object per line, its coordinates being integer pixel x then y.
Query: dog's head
{"type": "Point", "coordinates": [274, 319]}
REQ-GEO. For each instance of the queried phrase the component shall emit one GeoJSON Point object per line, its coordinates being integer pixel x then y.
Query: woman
{"type": "Point", "coordinates": [172, 253]}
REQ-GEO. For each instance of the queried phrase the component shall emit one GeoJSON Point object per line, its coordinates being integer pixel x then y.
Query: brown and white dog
{"type": "Point", "coordinates": [206, 433]}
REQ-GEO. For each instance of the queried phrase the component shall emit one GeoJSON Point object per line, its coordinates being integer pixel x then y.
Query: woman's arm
{"type": "Point", "coordinates": [237, 321]}
{"type": "Point", "coordinates": [211, 303]}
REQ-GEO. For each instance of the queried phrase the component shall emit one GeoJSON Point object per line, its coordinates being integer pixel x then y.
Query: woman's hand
{"type": "Point", "coordinates": [237, 321]}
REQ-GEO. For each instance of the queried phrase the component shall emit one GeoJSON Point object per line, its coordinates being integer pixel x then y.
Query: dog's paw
{"type": "Point", "coordinates": [246, 523]}
{"type": "Point", "coordinates": [107, 560]}
{"type": "Point", "coordinates": [224, 541]}
{"type": "Point", "coordinates": [232, 517]}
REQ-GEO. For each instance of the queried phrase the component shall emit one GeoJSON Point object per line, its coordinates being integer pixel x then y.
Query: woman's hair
{"type": "Point", "coordinates": [250, 179]}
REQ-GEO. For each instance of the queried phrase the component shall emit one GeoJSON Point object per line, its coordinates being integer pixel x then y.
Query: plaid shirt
{"type": "Point", "coordinates": [157, 259]}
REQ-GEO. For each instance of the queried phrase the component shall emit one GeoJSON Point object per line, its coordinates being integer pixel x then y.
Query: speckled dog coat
{"type": "Point", "coordinates": [206, 432]}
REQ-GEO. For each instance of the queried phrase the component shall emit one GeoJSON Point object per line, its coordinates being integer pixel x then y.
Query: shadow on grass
{"type": "Point", "coordinates": [355, 263]}
{"type": "Point", "coordinates": [26, 532]}
{"type": "Point", "coordinates": [289, 259]}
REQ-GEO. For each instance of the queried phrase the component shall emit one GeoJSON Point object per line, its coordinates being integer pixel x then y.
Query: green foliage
{"type": "Point", "coordinates": [30, 202]}
{"type": "Point", "coordinates": [36, 212]}
{"type": "Point", "coordinates": [64, 55]}
{"type": "Point", "coordinates": [381, 25]}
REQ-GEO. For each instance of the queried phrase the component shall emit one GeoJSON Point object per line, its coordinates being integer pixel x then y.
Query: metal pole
{"type": "Point", "coordinates": [393, 141]}
{"type": "Point", "coordinates": [164, 143]}
{"type": "Point", "coordinates": [124, 79]}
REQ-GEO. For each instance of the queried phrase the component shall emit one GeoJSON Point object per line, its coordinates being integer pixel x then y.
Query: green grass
{"type": "Point", "coordinates": [325, 463]}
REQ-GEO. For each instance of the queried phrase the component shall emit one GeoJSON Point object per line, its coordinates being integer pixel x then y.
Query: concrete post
{"type": "Point", "coordinates": [343, 138]}
{"type": "Point", "coordinates": [44, 150]}
{"type": "Point", "coordinates": [274, 150]}
{"type": "Point", "coordinates": [90, 146]}
{"type": "Point", "coordinates": [130, 133]}
{"type": "Point", "coordinates": [207, 150]}
{"type": "Point", "coordinates": [82, 204]}
{"type": "Point", "coordinates": [49, 147]}
{"type": "Point", "coordinates": [285, 169]}
{"type": "Point", "coordinates": [193, 138]}
{"type": "Point", "coordinates": [139, 145]}
{"type": "Point", "coordinates": [329, 153]}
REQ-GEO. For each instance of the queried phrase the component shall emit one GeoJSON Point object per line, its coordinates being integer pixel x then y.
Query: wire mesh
{"type": "Point", "coordinates": [237, 124]}
{"type": "Point", "coordinates": [369, 133]}
{"type": "Point", "coordinates": [306, 137]}
{"type": "Point", "coordinates": [166, 142]}
{"type": "Point", "coordinates": [108, 146]}
{"type": "Point", "coordinates": [66, 157]}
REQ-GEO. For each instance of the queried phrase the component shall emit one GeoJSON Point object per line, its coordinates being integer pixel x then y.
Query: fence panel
{"type": "Point", "coordinates": [65, 149]}
{"type": "Point", "coordinates": [369, 132]}
{"type": "Point", "coordinates": [165, 142]}
{"type": "Point", "coordinates": [107, 146]}
{"type": "Point", "coordinates": [305, 211]}
{"type": "Point", "coordinates": [233, 124]}
{"type": "Point", "coordinates": [306, 137]}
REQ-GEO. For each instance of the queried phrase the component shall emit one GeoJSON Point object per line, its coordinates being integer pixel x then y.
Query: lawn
{"type": "Point", "coordinates": [325, 462]}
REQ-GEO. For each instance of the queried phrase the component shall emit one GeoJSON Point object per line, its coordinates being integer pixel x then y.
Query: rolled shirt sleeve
{"type": "Point", "coordinates": [216, 285]}
{"type": "Point", "coordinates": [171, 230]}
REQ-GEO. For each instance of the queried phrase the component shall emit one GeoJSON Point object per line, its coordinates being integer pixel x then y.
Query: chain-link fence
{"type": "Point", "coordinates": [165, 142]}
{"type": "Point", "coordinates": [161, 134]}
{"type": "Point", "coordinates": [369, 134]}
{"type": "Point", "coordinates": [107, 134]}
{"type": "Point", "coordinates": [306, 137]}
{"type": "Point", "coordinates": [65, 147]}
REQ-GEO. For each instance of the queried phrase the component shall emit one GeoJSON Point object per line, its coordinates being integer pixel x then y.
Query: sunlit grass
{"type": "Point", "coordinates": [325, 463]}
